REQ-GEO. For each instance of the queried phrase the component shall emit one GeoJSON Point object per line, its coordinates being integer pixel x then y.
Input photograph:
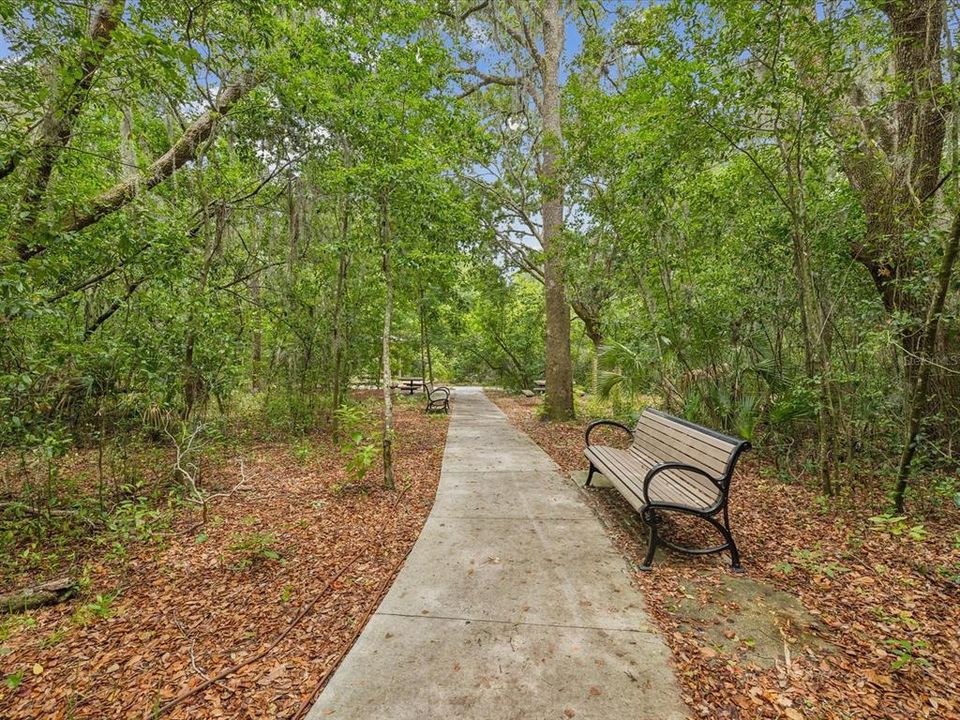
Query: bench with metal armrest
{"type": "Point", "coordinates": [671, 465]}
{"type": "Point", "coordinates": [438, 398]}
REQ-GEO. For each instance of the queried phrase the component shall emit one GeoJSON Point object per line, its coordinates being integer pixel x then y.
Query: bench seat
{"type": "Point", "coordinates": [628, 468]}
{"type": "Point", "coordinates": [671, 465]}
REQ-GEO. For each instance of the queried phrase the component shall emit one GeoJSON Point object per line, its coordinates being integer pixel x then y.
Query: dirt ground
{"type": "Point", "coordinates": [269, 594]}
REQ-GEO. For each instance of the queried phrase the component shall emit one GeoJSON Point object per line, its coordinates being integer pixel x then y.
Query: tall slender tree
{"type": "Point", "coordinates": [528, 41]}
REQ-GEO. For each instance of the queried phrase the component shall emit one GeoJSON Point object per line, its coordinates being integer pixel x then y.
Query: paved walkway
{"type": "Point", "coordinates": [513, 603]}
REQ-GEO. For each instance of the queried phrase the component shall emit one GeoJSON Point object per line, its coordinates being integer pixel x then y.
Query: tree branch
{"type": "Point", "coordinates": [182, 152]}
{"type": "Point", "coordinates": [56, 125]}
{"type": "Point", "coordinates": [462, 17]}
{"type": "Point", "coordinates": [487, 78]}
{"type": "Point", "coordinates": [114, 306]}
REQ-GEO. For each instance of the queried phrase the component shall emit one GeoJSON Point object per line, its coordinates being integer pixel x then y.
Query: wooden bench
{"type": "Point", "coordinates": [672, 465]}
{"type": "Point", "coordinates": [438, 399]}
{"type": "Point", "coordinates": [540, 386]}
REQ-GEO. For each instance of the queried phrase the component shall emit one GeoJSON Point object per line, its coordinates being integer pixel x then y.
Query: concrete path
{"type": "Point", "coordinates": [513, 603]}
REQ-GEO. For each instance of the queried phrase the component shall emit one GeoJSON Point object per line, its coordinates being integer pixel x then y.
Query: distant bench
{"type": "Point", "coordinates": [438, 399]}
{"type": "Point", "coordinates": [672, 465]}
{"type": "Point", "coordinates": [539, 388]}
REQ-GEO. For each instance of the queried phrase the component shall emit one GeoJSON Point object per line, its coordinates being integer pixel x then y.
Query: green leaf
{"type": "Point", "coordinates": [13, 680]}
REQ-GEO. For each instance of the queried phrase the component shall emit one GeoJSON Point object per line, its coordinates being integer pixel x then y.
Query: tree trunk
{"type": "Point", "coordinates": [595, 368]}
{"type": "Point", "coordinates": [892, 160]}
{"type": "Point", "coordinates": [591, 326]}
{"type": "Point", "coordinates": [426, 361]}
{"type": "Point", "coordinates": [429, 359]}
{"type": "Point", "coordinates": [193, 389]}
{"type": "Point", "coordinates": [385, 241]}
{"type": "Point", "coordinates": [558, 402]}
{"type": "Point", "coordinates": [256, 350]}
{"type": "Point", "coordinates": [813, 318]}
{"type": "Point", "coordinates": [816, 358]}
{"type": "Point", "coordinates": [338, 312]}
{"type": "Point", "coordinates": [917, 400]}
{"type": "Point", "coordinates": [342, 269]}
{"type": "Point", "coordinates": [423, 336]}
{"type": "Point", "coordinates": [294, 225]}
{"type": "Point", "coordinates": [128, 152]}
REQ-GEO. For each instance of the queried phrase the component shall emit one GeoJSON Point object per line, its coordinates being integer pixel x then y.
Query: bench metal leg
{"type": "Point", "coordinates": [590, 475]}
{"type": "Point", "coordinates": [651, 519]}
{"type": "Point", "coordinates": [723, 528]}
{"type": "Point", "coordinates": [734, 552]}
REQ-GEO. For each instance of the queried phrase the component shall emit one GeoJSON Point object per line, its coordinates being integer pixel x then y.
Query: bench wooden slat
{"type": "Point", "coordinates": [703, 492]}
{"type": "Point", "coordinates": [674, 486]}
{"type": "Point", "coordinates": [660, 448]}
{"type": "Point", "coordinates": [673, 436]}
{"type": "Point", "coordinates": [631, 492]}
{"type": "Point", "coordinates": [666, 448]}
{"type": "Point", "coordinates": [718, 440]}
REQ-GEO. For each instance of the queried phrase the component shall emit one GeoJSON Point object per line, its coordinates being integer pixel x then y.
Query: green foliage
{"type": "Point", "coordinates": [252, 548]}
{"type": "Point", "coordinates": [902, 618]}
{"type": "Point", "coordinates": [15, 623]}
{"type": "Point", "coordinates": [134, 520]}
{"type": "Point", "coordinates": [14, 679]}
{"type": "Point", "coordinates": [55, 638]}
{"type": "Point", "coordinates": [897, 526]}
{"type": "Point", "coordinates": [100, 608]}
{"type": "Point", "coordinates": [499, 329]}
{"type": "Point", "coordinates": [627, 373]}
{"type": "Point", "coordinates": [362, 444]}
{"type": "Point", "coordinates": [302, 451]}
{"type": "Point", "coordinates": [908, 653]}
{"type": "Point", "coordinates": [813, 562]}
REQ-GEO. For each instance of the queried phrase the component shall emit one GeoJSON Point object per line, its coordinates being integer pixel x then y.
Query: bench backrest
{"type": "Point", "coordinates": [667, 438]}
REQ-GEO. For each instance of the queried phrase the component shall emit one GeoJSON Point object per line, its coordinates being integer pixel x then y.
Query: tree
{"type": "Point", "coordinates": [530, 40]}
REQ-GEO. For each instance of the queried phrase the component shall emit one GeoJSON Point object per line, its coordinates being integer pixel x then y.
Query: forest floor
{"type": "Point", "coordinates": [277, 584]}
{"type": "Point", "coordinates": [884, 596]}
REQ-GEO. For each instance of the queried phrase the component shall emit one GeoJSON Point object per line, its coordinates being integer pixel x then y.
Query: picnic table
{"type": "Point", "coordinates": [411, 385]}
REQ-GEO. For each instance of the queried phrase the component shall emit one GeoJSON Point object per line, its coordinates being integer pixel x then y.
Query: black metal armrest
{"type": "Point", "coordinates": [440, 389]}
{"type": "Point", "coordinates": [659, 468]}
{"type": "Point", "coordinates": [613, 423]}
